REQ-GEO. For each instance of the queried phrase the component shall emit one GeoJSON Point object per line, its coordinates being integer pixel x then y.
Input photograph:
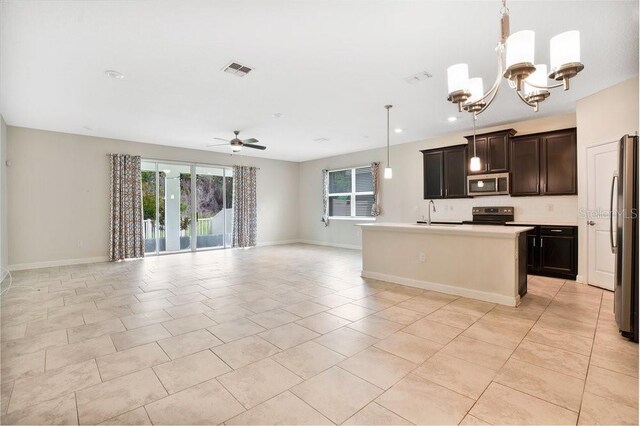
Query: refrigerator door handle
{"type": "Point", "coordinates": [611, 214]}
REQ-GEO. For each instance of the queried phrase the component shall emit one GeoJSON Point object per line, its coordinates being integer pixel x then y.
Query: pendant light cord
{"type": "Point", "coordinates": [388, 107]}
{"type": "Point", "coordinates": [474, 135]}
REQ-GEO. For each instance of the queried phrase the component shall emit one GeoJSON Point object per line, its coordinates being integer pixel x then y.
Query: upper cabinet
{"type": "Point", "coordinates": [433, 165]}
{"type": "Point", "coordinates": [455, 172]}
{"type": "Point", "coordinates": [544, 164]}
{"type": "Point", "coordinates": [445, 172]}
{"type": "Point", "coordinates": [559, 163]}
{"type": "Point", "coordinates": [493, 150]}
{"type": "Point", "coordinates": [525, 165]}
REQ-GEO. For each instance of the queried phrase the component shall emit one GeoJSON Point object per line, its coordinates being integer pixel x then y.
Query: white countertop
{"type": "Point", "coordinates": [497, 231]}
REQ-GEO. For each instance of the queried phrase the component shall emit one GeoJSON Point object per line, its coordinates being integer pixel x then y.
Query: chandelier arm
{"type": "Point", "coordinates": [523, 99]}
{"type": "Point", "coordinates": [496, 84]}
{"type": "Point", "coordinates": [553, 86]}
{"type": "Point", "coordinates": [491, 94]}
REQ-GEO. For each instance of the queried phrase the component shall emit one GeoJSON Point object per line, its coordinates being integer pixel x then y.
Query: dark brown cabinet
{"type": "Point", "coordinates": [455, 172]}
{"type": "Point", "coordinates": [558, 163]}
{"type": "Point", "coordinates": [544, 164]}
{"type": "Point", "coordinates": [433, 166]}
{"type": "Point", "coordinates": [445, 172]}
{"type": "Point", "coordinates": [493, 150]}
{"type": "Point", "coordinates": [525, 165]}
{"type": "Point", "coordinates": [553, 251]}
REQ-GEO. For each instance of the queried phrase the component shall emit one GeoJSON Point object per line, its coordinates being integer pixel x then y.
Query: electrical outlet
{"type": "Point", "coordinates": [422, 257]}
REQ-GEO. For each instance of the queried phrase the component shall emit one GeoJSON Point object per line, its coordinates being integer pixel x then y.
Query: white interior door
{"type": "Point", "coordinates": [602, 163]}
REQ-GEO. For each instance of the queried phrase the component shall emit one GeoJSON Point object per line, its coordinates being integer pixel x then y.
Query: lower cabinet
{"type": "Point", "coordinates": [553, 251]}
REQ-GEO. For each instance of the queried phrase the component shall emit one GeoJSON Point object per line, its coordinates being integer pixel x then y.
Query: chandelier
{"type": "Point", "coordinates": [515, 54]}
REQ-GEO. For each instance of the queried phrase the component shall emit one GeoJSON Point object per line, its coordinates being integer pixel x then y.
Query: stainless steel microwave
{"type": "Point", "coordinates": [491, 184]}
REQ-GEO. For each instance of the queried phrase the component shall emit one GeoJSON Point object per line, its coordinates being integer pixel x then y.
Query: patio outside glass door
{"type": "Point", "coordinates": [186, 207]}
{"type": "Point", "coordinates": [213, 207]}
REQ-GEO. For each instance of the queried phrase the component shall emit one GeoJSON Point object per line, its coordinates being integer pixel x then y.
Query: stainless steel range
{"type": "Point", "coordinates": [490, 216]}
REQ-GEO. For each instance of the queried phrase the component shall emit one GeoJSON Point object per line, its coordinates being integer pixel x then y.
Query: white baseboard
{"type": "Point", "coordinates": [444, 288]}
{"type": "Point", "coordinates": [54, 263]}
{"type": "Point", "coordinates": [580, 279]}
{"type": "Point", "coordinates": [322, 243]}
{"type": "Point", "coordinates": [277, 243]}
{"type": "Point", "coordinates": [3, 274]}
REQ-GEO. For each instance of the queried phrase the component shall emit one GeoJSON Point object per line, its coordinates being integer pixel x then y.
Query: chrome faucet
{"type": "Point", "coordinates": [431, 205]}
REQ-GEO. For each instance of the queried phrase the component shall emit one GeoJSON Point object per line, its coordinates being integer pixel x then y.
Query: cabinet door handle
{"type": "Point", "coordinates": [534, 242]}
{"type": "Point", "coordinates": [556, 230]}
{"type": "Point", "coordinates": [541, 242]}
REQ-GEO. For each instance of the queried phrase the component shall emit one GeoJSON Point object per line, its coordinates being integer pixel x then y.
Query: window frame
{"type": "Point", "coordinates": [351, 194]}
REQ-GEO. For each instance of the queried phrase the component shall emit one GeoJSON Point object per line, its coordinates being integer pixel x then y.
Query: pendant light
{"type": "Point", "coordinates": [474, 164]}
{"type": "Point", "coordinates": [388, 172]}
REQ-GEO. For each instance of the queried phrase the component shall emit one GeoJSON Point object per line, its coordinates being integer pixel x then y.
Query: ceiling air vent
{"type": "Point", "coordinates": [237, 69]}
{"type": "Point", "coordinates": [416, 78]}
{"type": "Point", "coordinates": [321, 140]}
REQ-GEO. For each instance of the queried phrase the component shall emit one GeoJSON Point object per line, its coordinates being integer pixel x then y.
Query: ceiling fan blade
{"type": "Point", "coordinates": [220, 139]}
{"type": "Point", "coordinates": [250, 145]}
{"type": "Point", "coordinates": [250, 140]}
{"type": "Point", "coordinates": [218, 144]}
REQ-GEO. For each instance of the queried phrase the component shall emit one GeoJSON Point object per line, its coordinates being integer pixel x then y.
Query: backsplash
{"type": "Point", "coordinates": [558, 209]}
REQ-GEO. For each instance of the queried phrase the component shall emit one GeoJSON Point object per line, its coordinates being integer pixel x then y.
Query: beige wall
{"type": "Point", "coordinates": [602, 117]}
{"type": "Point", "coordinates": [402, 196]}
{"type": "Point", "coordinates": [4, 253]}
{"type": "Point", "coordinates": [58, 186]}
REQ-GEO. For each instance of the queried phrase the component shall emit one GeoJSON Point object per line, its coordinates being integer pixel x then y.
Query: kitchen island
{"type": "Point", "coordinates": [482, 262]}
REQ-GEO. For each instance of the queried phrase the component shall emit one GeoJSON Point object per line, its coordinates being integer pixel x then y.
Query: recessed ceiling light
{"type": "Point", "coordinates": [398, 130]}
{"type": "Point", "coordinates": [452, 119]}
{"type": "Point", "coordinates": [114, 74]}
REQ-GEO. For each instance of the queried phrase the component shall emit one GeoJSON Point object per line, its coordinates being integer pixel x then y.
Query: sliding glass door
{"type": "Point", "coordinates": [187, 207]}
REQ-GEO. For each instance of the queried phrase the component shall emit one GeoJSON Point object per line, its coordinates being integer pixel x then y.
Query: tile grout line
{"type": "Point", "coordinates": [503, 364]}
{"type": "Point", "coordinates": [595, 330]}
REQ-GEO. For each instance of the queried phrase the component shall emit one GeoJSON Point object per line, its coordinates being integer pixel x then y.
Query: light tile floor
{"type": "Point", "coordinates": [293, 335]}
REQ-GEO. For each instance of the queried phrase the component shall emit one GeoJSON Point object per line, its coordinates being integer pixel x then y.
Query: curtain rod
{"type": "Point", "coordinates": [161, 160]}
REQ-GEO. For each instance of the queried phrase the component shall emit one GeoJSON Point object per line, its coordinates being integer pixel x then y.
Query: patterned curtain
{"type": "Point", "coordinates": [325, 197]}
{"type": "Point", "coordinates": [375, 208]}
{"type": "Point", "coordinates": [244, 207]}
{"type": "Point", "coordinates": [125, 233]}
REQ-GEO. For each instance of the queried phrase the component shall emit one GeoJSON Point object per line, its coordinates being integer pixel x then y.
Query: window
{"type": "Point", "coordinates": [351, 192]}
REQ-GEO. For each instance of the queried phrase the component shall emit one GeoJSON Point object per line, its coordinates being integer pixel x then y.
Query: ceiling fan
{"type": "Point", "coordinates": [237, 144]}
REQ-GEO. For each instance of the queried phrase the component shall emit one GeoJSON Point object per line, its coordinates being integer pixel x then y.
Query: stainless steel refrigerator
{"type": "Point", "coordinates": [623, 230]}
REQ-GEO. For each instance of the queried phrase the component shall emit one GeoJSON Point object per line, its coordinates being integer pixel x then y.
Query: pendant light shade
{"type": "Point", "coordinates": [539, 78]}
{"type": "Point", "coordinates": [458, 77]}
{"type": "Point", "coordinates": [565, 49]}
{"type": "Point", "coordinates": [388, 172]}
{"type": "Point", "coordinates": [474, 164]}
{"type": "Point", "coordinates": [520, 48]}
{"type": "Point", "coordinates": [476, 88]}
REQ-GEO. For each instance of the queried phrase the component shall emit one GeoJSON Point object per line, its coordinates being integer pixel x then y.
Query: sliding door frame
{"type": "Point", "coordinates": [193, 246]}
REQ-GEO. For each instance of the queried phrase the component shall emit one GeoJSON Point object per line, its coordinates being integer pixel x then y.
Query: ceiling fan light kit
{"type": "Point", "coordinates": [237, 144]}
{"type": "Point", "coordinates": [515, 55]}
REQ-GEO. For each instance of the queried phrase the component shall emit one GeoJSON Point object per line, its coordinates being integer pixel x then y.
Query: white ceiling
{"type": "Point", "coordinates": [328, 66]}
